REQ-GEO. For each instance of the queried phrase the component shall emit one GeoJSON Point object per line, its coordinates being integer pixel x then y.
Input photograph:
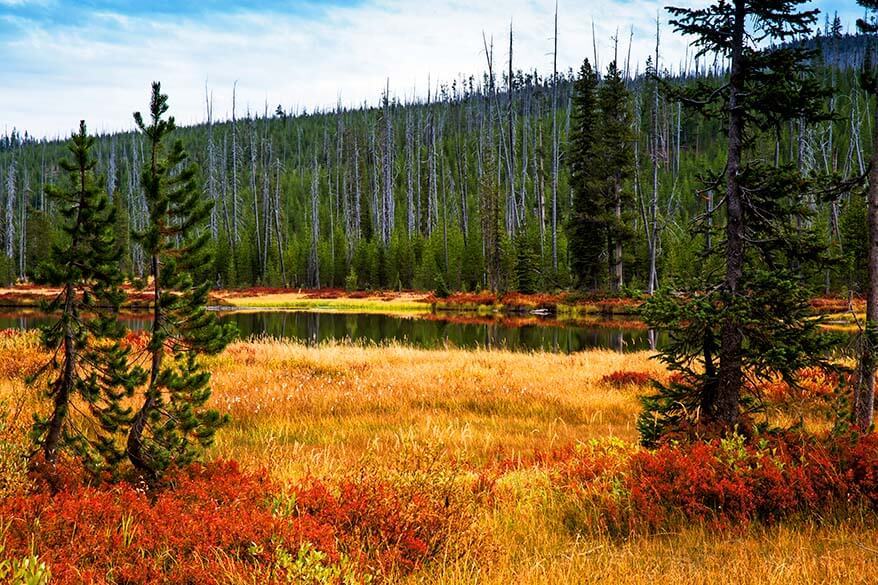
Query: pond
{"type": "Point", "coordinates": [519, 333]}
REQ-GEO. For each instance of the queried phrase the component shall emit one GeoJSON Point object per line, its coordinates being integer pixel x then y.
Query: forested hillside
{"type": "Point", "coordinates": [469, 188]}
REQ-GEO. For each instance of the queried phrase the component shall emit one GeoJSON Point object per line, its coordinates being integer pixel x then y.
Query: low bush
{"type": "Point", "coordinates": [622, 379]}
{"type": "Point", "coordinates": [214, 523]}
{"type": "Point", "coordinates": [724, 482]}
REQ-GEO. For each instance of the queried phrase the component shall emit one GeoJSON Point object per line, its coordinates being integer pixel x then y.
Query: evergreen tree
{"type": "Point", "coordinates": [753, 322]}
{"type": "Point", "coordinates": [527, 273]}
{"type": "Point", "coordinates": [615, 161]}
{"type": "Point", "coordinates": [586, 226]}
{"type": "Point", "coordinates": [601, 165]}
{"type": "Point", "coordinates": [173, 420]}
{"type": "Point", "coordinates": [89, 363]}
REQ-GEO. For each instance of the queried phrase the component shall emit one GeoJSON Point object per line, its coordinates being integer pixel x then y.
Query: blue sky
{"type": "Point", "coordinates": [64, 60]}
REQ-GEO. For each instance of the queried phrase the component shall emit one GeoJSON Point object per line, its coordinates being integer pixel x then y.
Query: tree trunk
{"type": "Point", "coordinates": [864, 400]}
{"type": "Point", "coordinates": [555, 145]}
{"type": "Point", "coordinates": [653, 207]}
{"type": "Point", "coordinates": [134, 445]}
{"type": "Point", "coordinates": [617, 251]}
{"type": "Point", "coordinates": [64, 386]}
{"type": "Point", "coordinates": [730, 377]}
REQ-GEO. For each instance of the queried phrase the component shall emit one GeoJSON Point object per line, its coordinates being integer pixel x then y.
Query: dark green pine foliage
{"type": "Point", "coordinates": [527, 261]}
{"type": "Point", "coordinates": [173, 421]}
{"type": "Point", "coordinates": [601, 165]}
{"type": "Point", "coordinates": [586, 228]}
{"type": "Point", "coordinates": [89, 370]}
{"type": "Point", "coordinates": [744, 317]}
{"type": "Point", "coordinates": [615, 158]}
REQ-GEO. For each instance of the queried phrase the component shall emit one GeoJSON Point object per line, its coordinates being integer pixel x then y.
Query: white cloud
{"type": "Point", "coordinates": [100, 70]}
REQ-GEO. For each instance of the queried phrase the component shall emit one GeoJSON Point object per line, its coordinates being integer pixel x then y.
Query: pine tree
{"type": "Point", "coordinates": [89, 364]}
{"type": "Point", "coordinates": [729, 332]}
{"type": "Point", "coordinates": [586, 227]}
{"type": "Point", "coordinates": [173, 421]}
{"type": "Point", "coordinates": [527, 273]}
{"type": "Point", "coordinates": [615, 160]}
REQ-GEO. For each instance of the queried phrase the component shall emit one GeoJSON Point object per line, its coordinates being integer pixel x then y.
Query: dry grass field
{"type": "Point", "coordinates": [449, 419]}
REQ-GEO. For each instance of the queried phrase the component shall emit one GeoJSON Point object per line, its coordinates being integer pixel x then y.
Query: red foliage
{"type": "Point", "coordinates": [620, 379]}
{"type": "Point", "coordinates": [474, 298]}
{"type": "Point", "coordinates": [722, 483]}
{"type": "Point", "coordinates": [210, 522]}
{"type": "Point", "coordinates": [822, 305]}
{"type": "Point", "coordinates": [731, 482]}
{"type": "Point", "coordinates": [136, 340]}
{"type": "Point", "coordinates": [378, 525]}
{"type": "Point", "coordinates": [813, 383]}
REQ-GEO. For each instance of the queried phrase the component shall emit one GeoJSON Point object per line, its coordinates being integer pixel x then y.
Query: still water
{"type": "Point", "coordinates": [430, 331]}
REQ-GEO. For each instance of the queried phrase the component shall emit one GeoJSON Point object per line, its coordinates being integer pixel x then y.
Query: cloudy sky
{"type": "Point", "coordinates": [64, 60]}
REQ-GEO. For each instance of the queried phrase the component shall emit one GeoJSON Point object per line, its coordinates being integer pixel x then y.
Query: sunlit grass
{"type": "Point", "coordinates": [350, 305]}
{"type": "Point", "coordinates": [313, 409]}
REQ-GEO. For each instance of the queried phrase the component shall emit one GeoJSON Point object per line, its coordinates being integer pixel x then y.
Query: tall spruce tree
{"type": "Point", "coordinates": [616, 160]}
{"type": "Point", "coordinates": [89, 365]}
{"type": "Point", "coordinates": [729, 331]}
{"type": "Point", "coordinates": [173, 421]}
{"type": "Point", "coordinates": [586, 228]}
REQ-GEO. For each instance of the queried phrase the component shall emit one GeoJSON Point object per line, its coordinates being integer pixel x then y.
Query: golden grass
{"type": "Point", "coordinates": [326, 408]}
{"type": "Point", "coordinates": [535, 550]}
{"type": "Point", "coordinates": [335, 408]}
{"type": "Point", "coordinates": [409, 303]}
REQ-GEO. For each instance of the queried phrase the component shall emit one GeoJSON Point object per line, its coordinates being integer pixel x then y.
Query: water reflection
{"type": "Point", "coordinates": [514, 333]}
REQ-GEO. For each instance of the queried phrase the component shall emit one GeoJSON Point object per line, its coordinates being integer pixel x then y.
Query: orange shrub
{"type": "Point", "coordinates": [212, 522]}
{"type": "Point", "coordinates": [622, 379]}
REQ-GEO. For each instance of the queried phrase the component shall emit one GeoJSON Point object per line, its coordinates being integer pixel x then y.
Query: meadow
{"type": "Point", "coordinates": [392, 464]}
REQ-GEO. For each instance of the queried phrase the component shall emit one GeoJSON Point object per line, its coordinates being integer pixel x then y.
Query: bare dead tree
{"type": "Point", "coordinates": [314, 257]}
{"type": "Point", "coordinates": [9, 240]}
{"type": "Point", "coordinates": [234, 178]}
{"type": "Point", "coordinates": [555, 142]}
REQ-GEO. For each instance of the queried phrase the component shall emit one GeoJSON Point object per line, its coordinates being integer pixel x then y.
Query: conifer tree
{"type": "Point", "coordinates": [173, 421]}
{"type": "Point", "coordinates": [601, 164]}
{"type": "Point", "coordinates": [527, 273]}
{"type": "Point", "coordinates": [615, 157]}
{"type": "Point", "coordinates": [586, 226]}
{"type": "Point", "coordinates": [753, 322]}
{"type": "Point", "coordinates": [89, 365]}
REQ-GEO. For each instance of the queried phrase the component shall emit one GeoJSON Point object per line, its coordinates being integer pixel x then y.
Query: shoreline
{"type": "Point", "coordinates": [839, 312]}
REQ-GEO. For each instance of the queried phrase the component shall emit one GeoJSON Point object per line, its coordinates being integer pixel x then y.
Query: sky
{"type": "Point", "coordinates": [66, 60]}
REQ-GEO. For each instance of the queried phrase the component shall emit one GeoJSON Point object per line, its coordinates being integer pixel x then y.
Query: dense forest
{"type": "Point", "coordinates": [471, 187]}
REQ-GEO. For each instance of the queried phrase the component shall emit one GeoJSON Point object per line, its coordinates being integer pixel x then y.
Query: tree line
{"type": "Point", "coordinates": [482, 184]}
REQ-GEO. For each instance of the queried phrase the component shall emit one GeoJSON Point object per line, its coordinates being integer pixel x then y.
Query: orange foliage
{"type": "Point", "coordinates": [623, 379]}
{"type": "Point", "coordinates": [214, 523]}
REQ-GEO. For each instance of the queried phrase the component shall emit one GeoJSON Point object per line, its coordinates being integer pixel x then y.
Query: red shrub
{"type": "Point", "coordinates": [212, 521]}
{"type": "Point", "coordinates": [813, 384]}
{"type": "Point", "coordinates": [136, 340]}
{"type": "Point", "coordinates": [376, 524]}
{"type": "Point", "coordinates": [718, 482]}
{"type": "Point", "coordinates": [621, 379]}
